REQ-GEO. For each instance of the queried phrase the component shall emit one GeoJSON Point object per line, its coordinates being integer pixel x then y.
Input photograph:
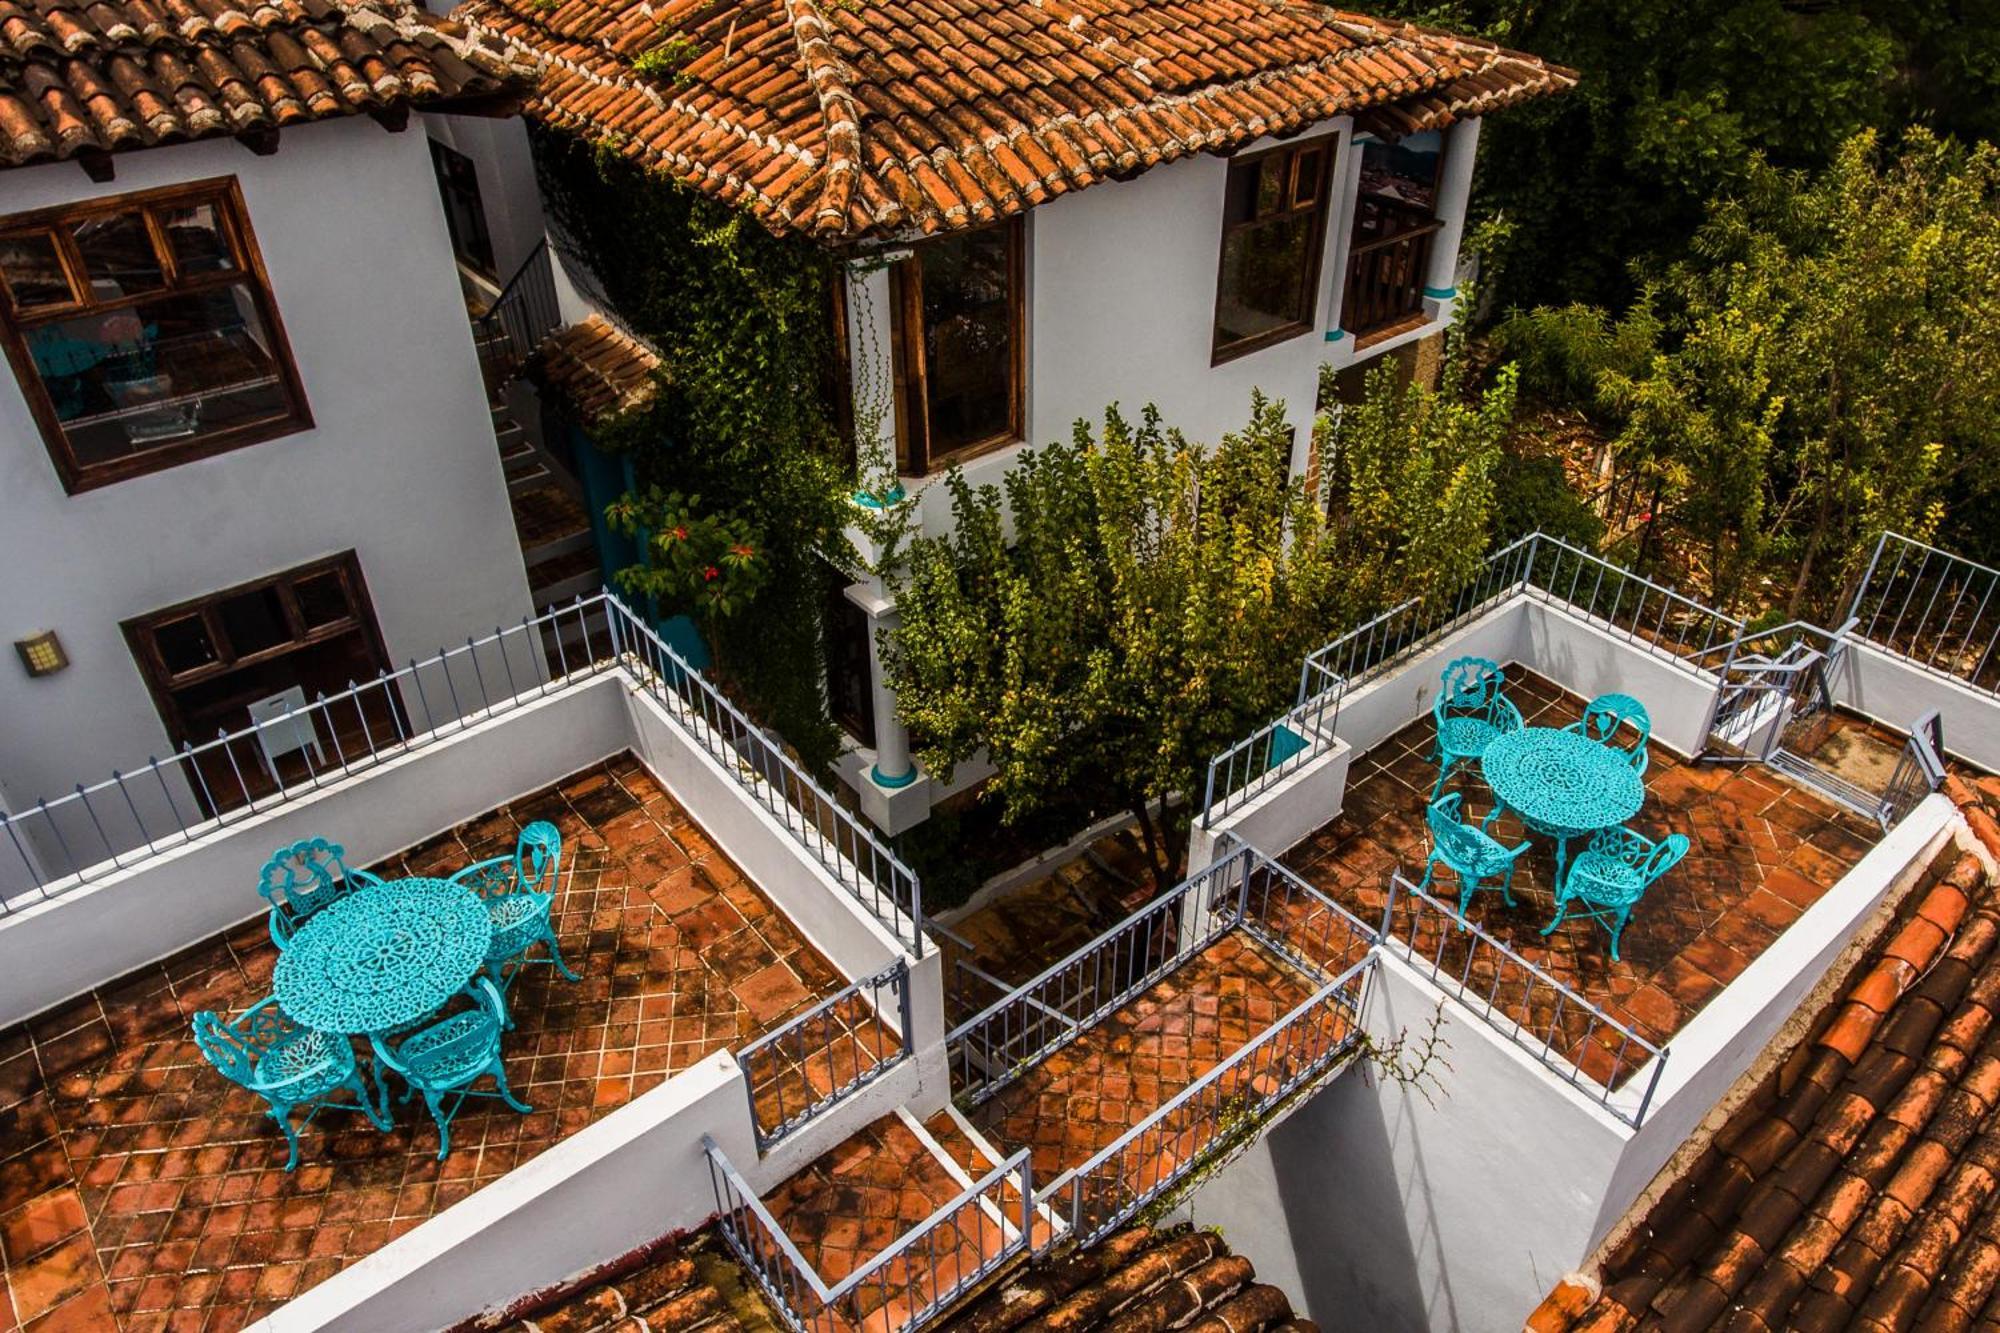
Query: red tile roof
{"type": "Point", "coordinates": [599, 368]}
{"type": "Point", "coordinates": [888, 117]}
{"type": "Point", "coordinates": [80, 78]}
{"type": "Point", "coordinates": [1859, 1185]}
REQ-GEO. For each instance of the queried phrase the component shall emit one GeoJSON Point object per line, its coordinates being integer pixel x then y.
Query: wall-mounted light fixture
{"type": "Point", "coordinates": [42, 653]}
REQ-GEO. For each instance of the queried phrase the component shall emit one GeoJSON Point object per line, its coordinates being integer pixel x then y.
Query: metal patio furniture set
{"type": "Point", "coordinates": [1578, 781]}
{"type": "Point", "coordinates": [420, 967]}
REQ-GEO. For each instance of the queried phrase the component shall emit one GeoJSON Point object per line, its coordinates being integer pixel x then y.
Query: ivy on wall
{"type": "Point", "coordinates": [741, 481]}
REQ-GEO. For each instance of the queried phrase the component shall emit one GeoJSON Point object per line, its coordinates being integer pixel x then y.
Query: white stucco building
{"type": "Point", "coordinates": [245, 451]}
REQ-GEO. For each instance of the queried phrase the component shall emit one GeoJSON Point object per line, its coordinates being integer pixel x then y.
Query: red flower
{"type": "Point", "coordinates": [678, 534]}
{"type": "Point", "coordinates": [711, 573]}
{"type": "Point", "coordinates": [744, 551]}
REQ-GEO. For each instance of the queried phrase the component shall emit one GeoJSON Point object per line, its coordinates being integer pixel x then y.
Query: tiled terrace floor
{"type": "Point", "coordinates": [1763, 851]}
{"type": "Point", "coordinates": [1083, 1097]}
{"type": "Point", "coordinates": [139, 1190]}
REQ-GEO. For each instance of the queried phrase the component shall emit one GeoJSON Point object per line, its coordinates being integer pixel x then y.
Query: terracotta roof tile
{"type": "Point", "coordinates": [78, 79]}
{"type": "Point", "coordinates": [917, 118]}
{"type": "Point", "coordinates": [1137, 1279]}
{"type": "Point", "coordinates": [600, 369]}
{"type": "Point", "coordinates": [1859, 1187]}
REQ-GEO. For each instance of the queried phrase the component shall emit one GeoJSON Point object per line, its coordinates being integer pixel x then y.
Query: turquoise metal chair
{"type": "Point", "coordinates": [292, 1067]}
{"type": "Point", "coordinates": [1612, 874]}
{"type": "Point", "coordinates": [1470, 711]}
{"type": "Point", "coordinates": [301, 879]}
{"type": "Point", "coordinates": [1607, 715]}
{"type": "Point", "coordinates": [1472, 853]}
{"type": "Point", "coordinates": [519, 892]}
{"type": "Point", "coordinates": [443, 1061]}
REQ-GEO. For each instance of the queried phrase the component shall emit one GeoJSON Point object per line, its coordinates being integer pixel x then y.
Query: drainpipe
{"type": "Point", "coordinates": [893, 767]}
{"type": "Point", "coordinates": [1454, 196]}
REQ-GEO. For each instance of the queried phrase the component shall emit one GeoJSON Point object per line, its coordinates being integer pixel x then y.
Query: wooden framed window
{"type": "Point", "coordinates": [143, 332]}
{"type": "Point", "coordinates": [850, 678]}
{"type": "Point", "coordinates": [960, 335]}
{"type": "Point", "coordinates": [464, 211]}
{"type": "Point", "coordinates": [1273, 231]}
{"type": "Point", "coordinates": [306, 632]}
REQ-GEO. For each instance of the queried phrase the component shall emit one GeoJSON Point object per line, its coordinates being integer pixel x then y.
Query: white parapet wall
{"type": "Point", "coordinates": [1895, 691]}
{"type": "Point", "coordinates": [61, 947]}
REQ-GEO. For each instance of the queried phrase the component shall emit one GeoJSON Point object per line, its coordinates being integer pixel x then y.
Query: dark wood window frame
{"type": "Point", "coordinates": [1314, 204]}
{"type": "Point", "coordinates": [465, 219]}
{"type": "Point", "coordinates": [914, 455]}
{"type": "Point", "coordinates": [248, 273]}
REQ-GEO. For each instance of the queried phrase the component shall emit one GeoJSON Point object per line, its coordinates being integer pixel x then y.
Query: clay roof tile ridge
{"type": "Point", "coordinates": [840, 111]}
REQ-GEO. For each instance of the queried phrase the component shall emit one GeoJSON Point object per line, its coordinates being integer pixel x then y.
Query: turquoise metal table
{"type": "Point", "coordinates": [383, 957]}
{"type": "Point", "coordinates": [1562, 784]}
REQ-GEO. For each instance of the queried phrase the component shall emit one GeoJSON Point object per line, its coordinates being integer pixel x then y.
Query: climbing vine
{"type": "Point", "coordinates": [741, 482]}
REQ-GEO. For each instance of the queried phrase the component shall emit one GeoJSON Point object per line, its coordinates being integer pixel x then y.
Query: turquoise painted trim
{"type": "Point", "coordinates": [1335, 335]}
{"type": "Point", "coordinates": [895, 496]}
{"type": "Point", "coordinates": [1445, 294]}
{"type": "Point", "coordinates": [876, 776]}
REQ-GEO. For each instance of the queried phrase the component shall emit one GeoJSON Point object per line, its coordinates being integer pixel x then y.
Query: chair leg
{"type": "Point", "coordinates": [379, 1118]}
{"type": "Point", "coordinates": [1562, 910]}
{"type": "Point", "coordinates": [1507, 884]}
{"type": "Point", "coordinates": [284, 1118]}
{"type": "Point", "coordinates": [555, 956]}
{"type": "Point", "coordinates": [443, 1120]}
{"type": "Point", "coordinates": [507, 1093]}
{"type": "Point", "coordinates": [1618, 929]}
{"type": "Point", "coordinates": [1468, 887]}
{"type": "Point", "coordinates": [1430, 869]}
{"type": "Point", "coordinates": [1444, 775]}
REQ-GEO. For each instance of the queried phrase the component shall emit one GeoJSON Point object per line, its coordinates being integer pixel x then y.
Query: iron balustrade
{"type": "Point", "coordinates": [144, 810]}
{"type": "Point", "coordinates": [802, 1069]}
{"type": "Point", "coordinates": [1241, 889]}
{"type": "Point", "coordinates": [513, 327]}
{"type": "Point", "coordinates": [1528, 1006]}
{"type": "Point", "coordinates": [1387, 261]}
{"type": "Point", "coordinates": [1628, 605]}
{"type": "Point", "coordinates": [1935, 609]}
{"type": "Point", "coordinates": [916, 1277]}
{"type": "Point", "coordinates": [837, 839]}
{"type": "Point", "coordinates": [1919, 771]}
{"type": "Point", "coordinates": [1270, 754]}
{"type": "Point", "coordinates": [1217, 1113]}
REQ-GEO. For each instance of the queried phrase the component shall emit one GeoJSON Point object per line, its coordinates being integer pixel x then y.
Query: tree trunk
{"type": "Point", "coordinates": [1153, 838]}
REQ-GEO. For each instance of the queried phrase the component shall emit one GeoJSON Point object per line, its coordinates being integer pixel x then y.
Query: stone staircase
{"type": "Point", "coordinates": [549, 518]}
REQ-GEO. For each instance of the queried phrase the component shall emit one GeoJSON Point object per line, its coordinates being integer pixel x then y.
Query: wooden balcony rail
{"type": "Point", "coordinates": [1386, 264]}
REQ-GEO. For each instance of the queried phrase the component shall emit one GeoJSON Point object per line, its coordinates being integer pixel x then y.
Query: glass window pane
{"type": "Point", "coordinates": [1305, 181]}
{"type": "Point", "coordinates": [322, 599]}
{"type": "Point", "coordinates": [1404, 173]}
{"type": "Point", "coordinates": [195, 234]}
{"type": "Point", "coordinates": [33, 270]}
{"type": "Point", "coordinates": [164, 372]}
{"type": "Point", "coordinates": [254, 621]}
{"type": "Point", "coordinates": [118, 256]}
{"type": "Point", "coordinates": [968, 339]}
{"type": "Point", "coordinates": [1271, 174]}
{"type": "Point", "coordinates": [184, 645]}
{"type": "Point", "coordinates": [1266, 278]}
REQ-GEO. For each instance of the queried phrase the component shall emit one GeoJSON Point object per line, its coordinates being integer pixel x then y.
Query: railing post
{"type": "Point", "coordinates": [903, 1013]}
{"type": "Point", "coordinates": [1867, 577]}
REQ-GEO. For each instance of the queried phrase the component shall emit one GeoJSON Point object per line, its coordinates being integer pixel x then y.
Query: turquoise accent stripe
{"type": "Point", "coordinates": [876, 776]}
{"type": "Point", "coordinates": [1445, 294]}
{"type": "Point", "coordinates": [1336, 335]}
{"type": "Point", "coordinates": [871, 501]}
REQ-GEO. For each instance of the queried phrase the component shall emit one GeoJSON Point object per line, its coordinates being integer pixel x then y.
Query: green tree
{"type": "Point", "coordinates": [1825, 365]}
{"type": "Point", "coordinates": [1133, 604]}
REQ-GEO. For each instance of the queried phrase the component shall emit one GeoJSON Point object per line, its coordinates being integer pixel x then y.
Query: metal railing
{"type": "Point", "coordinates": [1919, 771]}
{"type": "Point", "coordinates": [526, 311]}
{"type": "Point", "coordinates": [837, 839]}
{"type": "Point", "coordinates": [801, 1070]}
{"type": "Point", "coordinates": [144, 810]}
{"type": "Point", "coordinates": [1270, 754]}
{"type": "Point", "coordinates": [1534, 1010]}
{"type": "Point", "coordinates": [1626, 604]}
{"type": "Point", "coordinates": [1938, 610]}
{"type": "Point", "coordinates": [1217, 1113]}
{"type": "Point", "coordinates": [920, 1274]}
{"type": "Point", "coordinates": [1241, 888]}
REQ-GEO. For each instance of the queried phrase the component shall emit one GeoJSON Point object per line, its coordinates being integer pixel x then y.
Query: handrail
{"type": "Point", "coordinates": [1956, 603]}
{"type": "Point", "coordinates": [1158, 1179]}
{"type": "Point", "coordinates": [142, 811]}
{"type": "Point", "coordinates": [1458, 926]}
{"type": "Point", "coordinates": [1406, 234]}
{"type": "Point", "coordinates": [526, 311]}
{"type": "Point", "coordinates": [818, 1032]}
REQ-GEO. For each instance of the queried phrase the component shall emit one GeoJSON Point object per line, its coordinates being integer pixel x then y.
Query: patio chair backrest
{"type": "Point", "coordinates": [538, 856]}
{"type": "Point", "coordinates": [1471, 685]}
{"type": "Point", "coordinates": [1459, 843]}
{"type": "Point", "coordinates": [1648, 858]}
{"type": "Point", "coordinates": [300, 879]}
{"type": "Point", "coordinates": [476, 1030]}
{"type": "Point", "coordinates": [1607, 714]}
{"type": "Point", "coordinates": [234, 1048]}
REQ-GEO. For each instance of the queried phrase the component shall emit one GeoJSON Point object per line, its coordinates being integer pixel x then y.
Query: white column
{"type": "Point", "coordinates": [871, 363]}
{"type": "Point", "coordinates": [1346, 193]}
{"type": "Point", "coordinates": [1461, 145]}
{"type": "Point", "coordinates": [893, 767]}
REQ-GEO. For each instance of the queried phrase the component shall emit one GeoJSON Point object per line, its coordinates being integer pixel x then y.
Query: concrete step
{"type": "Point", "coordinates": [556, 548]}
{"type": "Point", "coordinates": [970, 1155]}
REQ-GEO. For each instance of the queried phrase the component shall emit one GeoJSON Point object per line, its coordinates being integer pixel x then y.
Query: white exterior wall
{"type": "Point", "coordinates": [1895, 691]}
{"type": "Point", "coordinates": [400, 466]}
{"type": "Point", "coordinates": [508, 194]}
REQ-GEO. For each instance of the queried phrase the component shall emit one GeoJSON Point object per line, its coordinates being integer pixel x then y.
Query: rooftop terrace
{"type": "Point", "coordinates": [1763, 851]}
{"type": "Point", "coordinates": [141, 1190]}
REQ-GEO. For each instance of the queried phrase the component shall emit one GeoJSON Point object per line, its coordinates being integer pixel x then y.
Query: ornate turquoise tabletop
{"type": "Point", "coordinates": [385, 956]}
{"type": "Point", "coordinates": [1561, 783]}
